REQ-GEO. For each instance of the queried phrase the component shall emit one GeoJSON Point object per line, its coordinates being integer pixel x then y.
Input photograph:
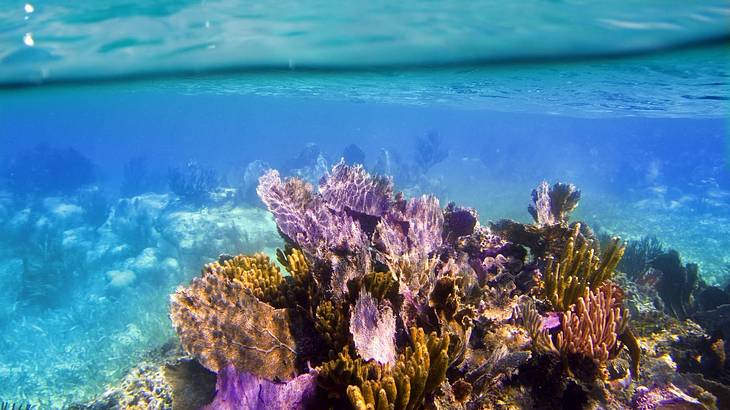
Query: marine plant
{"type": "Point", "coordinates": [386, 302]}
{"type": "Point", "coordinates": [192, 182]}
{"type": "Point", "coordinates": [676, 284]}
{"type": "Point", "coordinates": [429, 151]}
{"type": "Point", "coordinates": [639, 255]}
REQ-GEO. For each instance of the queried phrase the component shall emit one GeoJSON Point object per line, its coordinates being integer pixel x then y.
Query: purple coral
{"type": "Point", "coordinates": [287, 201]}
{"type": "Point", "coordinates": [373, 329]}
{"type": "Point", "coordinates": [245, 390]}
{"type": "Point", "coordinates": [425, 221]}
{"type": "Point", "coordinates": [458, 221]}
{"type": "Point", "coordinates": [307, 219]}
{"type": "Point", "coordinates": [415, 229]}
{"type": "Point", "coordinates": [553, 205]}
{"type": "Point", "coordinates": [540, 208]}
{"type": "Point", "coordinates": [663, 397]}
{"type": "Point", "coordinates": [352, 188]}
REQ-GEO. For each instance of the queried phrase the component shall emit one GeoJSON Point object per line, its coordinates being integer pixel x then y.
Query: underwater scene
{"type": "Point", "coordinates": [390, 205]}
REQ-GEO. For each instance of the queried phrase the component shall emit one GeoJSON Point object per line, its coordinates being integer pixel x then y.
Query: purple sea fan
{"type": "Point", "coordinates": [352, 188]}
{"type": "Point", "coordinates": [665, 397]}
{"type": "Point", "coordinates": [425, 223]}
{"type": "Point", "coordinates": [540, 209]}
{"type": "Point", "coordinates": [237, 391]}
{"type": "Point", "coordinates": [287, 201]}
{"type": "Point", "coordinates": [373, 329]}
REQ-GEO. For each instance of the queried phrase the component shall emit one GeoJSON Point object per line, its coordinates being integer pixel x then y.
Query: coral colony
{"type": "Point", "coordinates": [397, 303]}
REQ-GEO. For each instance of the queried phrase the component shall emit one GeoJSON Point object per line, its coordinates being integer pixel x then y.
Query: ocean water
{"type": "Point", "coordinates": [132, 136]}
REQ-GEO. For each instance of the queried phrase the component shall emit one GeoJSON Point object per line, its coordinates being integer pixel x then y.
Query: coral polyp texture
{"type": "Point", "coordinates": [396, 303]}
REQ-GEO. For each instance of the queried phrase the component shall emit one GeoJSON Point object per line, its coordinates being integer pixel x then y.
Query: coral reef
{"type": "Point", "coordinates": [257, 273]}
{"type": "Point", "coordinates": [395, 303]}
{"type": "Point", "coordinates": [247, 391]}
{"type": "Point", "coordinates": [590, 328]}
{"type": "Point", "coordinates": [173, 383]}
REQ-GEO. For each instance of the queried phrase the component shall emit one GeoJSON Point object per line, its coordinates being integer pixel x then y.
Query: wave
{"type": "Point", "coordinates": [55, 42]}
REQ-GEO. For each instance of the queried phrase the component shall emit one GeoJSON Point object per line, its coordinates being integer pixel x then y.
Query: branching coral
{"type": "Point", "coordinates": [332, 323]}
{"type": "Point", "coordinates": [256, 272]}
{"type": "Point", "coordinates": [417, 373]}
{"type": "Point", "coordinates": [299, 289]}
{"type": "Point", "coordinates": [591, 328]}
{"type": "Point", "coordinates": [379, 284]}
{"type": "Point", "coordinates": [579, 268]}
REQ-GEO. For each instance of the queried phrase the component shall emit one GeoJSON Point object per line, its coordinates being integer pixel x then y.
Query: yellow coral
{"type": "Point", "coordinates": [344, 370]}
{"type": "Point", "coordinates": [379, 283]}
{"type": "Point", "coordinates": [332, 324]}
{"type": "Point", "coordinates": [294, 262]}
{"type": "Point", "coordinates": [566, 280]}
{"type": "Point", "coordinates": [257, 273]}
{"type": "Point", "coordinates": [419, 371]}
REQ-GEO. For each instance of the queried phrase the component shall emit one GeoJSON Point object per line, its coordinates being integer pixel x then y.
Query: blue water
{"type": "Point", "coordinates": [107, 102]}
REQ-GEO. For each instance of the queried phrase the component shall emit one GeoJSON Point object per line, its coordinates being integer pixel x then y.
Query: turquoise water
{"type": "Point", "coordinates": [102, 102]}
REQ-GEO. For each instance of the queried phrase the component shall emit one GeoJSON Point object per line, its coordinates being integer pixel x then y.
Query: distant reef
{"type": "Point", "coordinates": [378, 301]}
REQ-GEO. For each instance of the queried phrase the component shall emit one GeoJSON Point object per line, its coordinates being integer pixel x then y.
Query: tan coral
{"type": "Point", "coordinates": [592, 327]}
{"type": "Point", "coordinates": [220, 322]}
{"type": "Point", "coordinates": [379, 284]}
